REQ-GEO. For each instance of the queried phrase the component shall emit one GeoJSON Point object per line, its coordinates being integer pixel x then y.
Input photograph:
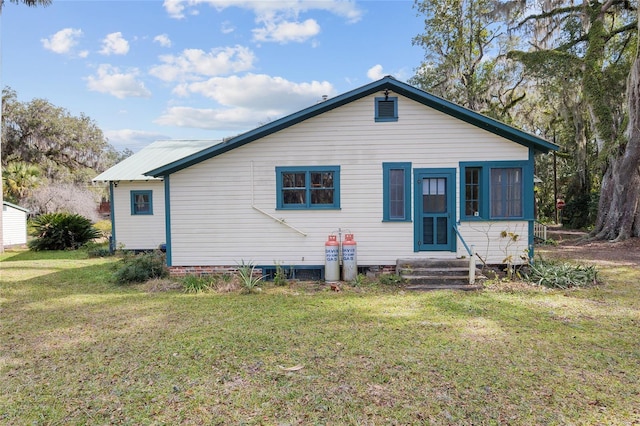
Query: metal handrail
{"type": "Point", "coordinates": [464, 243]}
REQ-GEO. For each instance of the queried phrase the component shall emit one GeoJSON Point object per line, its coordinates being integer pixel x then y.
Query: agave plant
{"type": "Point", "coordinates": [248, 280]}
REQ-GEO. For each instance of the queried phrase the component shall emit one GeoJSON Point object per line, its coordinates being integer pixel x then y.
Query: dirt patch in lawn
{"type": "Point", "coordinates": [574, 245]}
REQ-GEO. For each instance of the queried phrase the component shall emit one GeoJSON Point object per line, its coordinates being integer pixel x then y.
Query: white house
{"type": "Point", "coordinates": [14, 225]}
{"type": "Point", "coordinates": [137, 201]}
{"type": "Point", "coordinates": [409, 174]}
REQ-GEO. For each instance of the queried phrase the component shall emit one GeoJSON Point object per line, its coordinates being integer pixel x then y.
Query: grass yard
{"type": "Point", "coordinates": [78, 349]}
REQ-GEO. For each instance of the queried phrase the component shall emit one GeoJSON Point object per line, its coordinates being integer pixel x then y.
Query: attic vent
{"type": "Point", "coordinates": [386, 109]}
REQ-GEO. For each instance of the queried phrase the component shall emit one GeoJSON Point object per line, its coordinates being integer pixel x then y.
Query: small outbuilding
{"type": "Point", "coordinates": [14, 225]}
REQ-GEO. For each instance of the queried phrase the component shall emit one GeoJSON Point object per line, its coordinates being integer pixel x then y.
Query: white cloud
{"type": "Point", "coordinates": [63, 41]}
{"type": "Point", "coordinates": [194, 63]}
{"type": "Point", "coordinates": [163, 40]}
{"type": "Point", "coordinates": [109, 79]}
{"type": "Point", "coordinates": [375, 72]}
{"type": "Point", "coordinates": [132, 139]}
{"type": "Point", "coordinates": [283, 32]}
{"type": "Point", "coordinates": [207, 118]}
{"type": "Point", "coordinates": [174, 8]}
{"type": "Point", "coordinates": [346, 9]}
{"type": "Point", "coordinates": [249, 101]}
{"type": "Point", "coordinates": [278, 19]}
{"type": "Point", "coordinates": [260, 91]}
{"type": "Point", "coordinates": [114, 44]}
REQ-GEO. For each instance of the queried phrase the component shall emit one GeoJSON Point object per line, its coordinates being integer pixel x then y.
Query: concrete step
{"type": "Point", "coordinates": [432, 287]}
{"type": "Point", "coordinates": [432, 263]}
{"type": "Point", "coordinates": [437, 274]}
{"type": "Point", "coordinates": [462, 271]}
{"type": "Point", "coordinates": [437, 280]}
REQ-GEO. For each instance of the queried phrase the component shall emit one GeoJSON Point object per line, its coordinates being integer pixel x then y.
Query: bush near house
{"type": "Point", "coordinates": [136, 268]}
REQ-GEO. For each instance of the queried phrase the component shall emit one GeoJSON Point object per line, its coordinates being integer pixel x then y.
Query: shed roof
{"type": "Point", "coordinates": [386, 83]}
{"type": "Point", "coordinates": [8, 204]}
{"type": "Point", "coordinates": [156, 154]}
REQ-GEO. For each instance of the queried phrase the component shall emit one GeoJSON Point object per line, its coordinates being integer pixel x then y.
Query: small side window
{"type": "Point", "coordinates": [472, 191]}
{"type": "Point", "coordinates": [396, 187]}
{"type": "Point", "coordinates": [141, 203]}
{"type": "Point", "coordinates": [386, 109]}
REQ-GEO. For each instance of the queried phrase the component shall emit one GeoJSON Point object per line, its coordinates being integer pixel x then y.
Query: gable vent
{"type": "Point", "coordinates": [386, 109]}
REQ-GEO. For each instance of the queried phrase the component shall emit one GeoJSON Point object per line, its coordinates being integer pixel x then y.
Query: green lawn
{"type": "Point", "coordinates": [78, 349]}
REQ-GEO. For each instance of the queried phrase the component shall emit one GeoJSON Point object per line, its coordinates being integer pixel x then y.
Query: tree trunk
{"type": "Point", "coordinates": [619, 208]}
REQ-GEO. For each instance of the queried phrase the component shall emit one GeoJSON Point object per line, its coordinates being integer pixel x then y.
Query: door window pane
{"type": "Point", "coordinates": [434, 197]}
{"type": "Point", "coordinates": [427, 230]}
{"type": "Point", "coordinates": [442, 231]}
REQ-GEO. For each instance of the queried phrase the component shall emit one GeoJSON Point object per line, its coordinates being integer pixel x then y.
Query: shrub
{"type": "Point", "coordinates": [362, 280]}
{"type": "Point", "coordinates": [224, 283]}
{"type": "Point", "coordinates": [391, 279]}
{"type": "Point", "coordinates": [97, 250]}
{"type": "Point", "coordinates": [141, 267]}
{"type": "Point", "coordinates": [61, 231]}
{"type": "Point", "coordinates": [195, 284]}
{"type": "Point", "coordinates": [280, 277]}
{"type": "Point", "coordinates": [561, 275]}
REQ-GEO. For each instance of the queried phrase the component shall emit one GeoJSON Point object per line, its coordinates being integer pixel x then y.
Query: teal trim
{"type": "Point", "coordinates": [382, 119]}
{"type": "Point", "coordinates": [167, 220]}
{"type": "Point", "coordinates": [386, 192]}
{"type": "Point", "coordinates": [134, 208]}
{"type": "Point", "coordinates": [112, 243]}
{"type": "Point", "coordinates": [449, 214]}
{"type": "Point", "coordinates": [307, 170]}
{"type": "Point", "coordinates": [531, 241]}
{"type": "Point", "coordinates": [485, 188]}
{"type": "Point", "coordinates": [376, 87]}
{"type": "Point", "coordinates": [531, 199]}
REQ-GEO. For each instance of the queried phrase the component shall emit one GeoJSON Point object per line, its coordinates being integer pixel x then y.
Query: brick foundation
{"type": "Point", "coordinates": [182, 271]}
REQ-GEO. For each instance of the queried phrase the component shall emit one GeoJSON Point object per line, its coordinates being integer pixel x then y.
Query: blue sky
{"type": "Point", "coordinates": [201, 69]}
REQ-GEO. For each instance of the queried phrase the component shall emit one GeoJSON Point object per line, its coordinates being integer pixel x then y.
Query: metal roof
{"type": "Point", "coordinates": [6, 203]}
{"type": "Point", "coordinates": [157, 154]}
{"type": "Point", "coordinates": [386, 83]}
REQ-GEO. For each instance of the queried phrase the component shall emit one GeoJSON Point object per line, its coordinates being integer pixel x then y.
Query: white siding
{"type": "Point", "coordinates": [14, 226]}
{"type": "Point", "coordinates": [139, 232]}
{"type": "Point", "coordinates": [213, 221]}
